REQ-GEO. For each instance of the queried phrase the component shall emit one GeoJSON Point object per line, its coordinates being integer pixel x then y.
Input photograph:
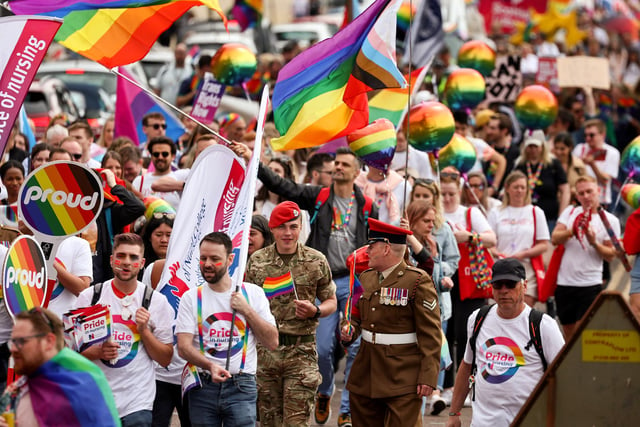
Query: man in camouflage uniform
{"type": "Point", "coordinates": [292, 276]}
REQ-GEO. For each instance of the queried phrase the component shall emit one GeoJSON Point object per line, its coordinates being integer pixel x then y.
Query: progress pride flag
{"type": "Point", "coordinates": [26, 40]}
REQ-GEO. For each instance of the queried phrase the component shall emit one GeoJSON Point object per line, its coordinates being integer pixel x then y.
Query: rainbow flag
{"type": "Point", "coordinates": [392, 103]}
{"type": "Point", "coordinates": [71, 390]}
{"type": "Point", "coordinates": [321, 94]}
{"type": "Point", "coordinates": [247, 12]}
{"type": "Point", "coordinates": [355, 291]}
{"type": "Point", "coordinates": [132, 104]}
{"type": "Point", "coordinates": [111, 32]}
{"type": "Point", "coordinates": [277, 286]}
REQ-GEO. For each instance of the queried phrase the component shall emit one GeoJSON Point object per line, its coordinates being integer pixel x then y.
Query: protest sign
{"type": "Point", "coordinates": [207, 99]}
{"type": "Point", "coordinates": [584, 71]}
{"type": "Point", "coordinates": [84, 327]}
{"type": "Point", "coordinates": [505, 82]}
{"type": "Point", "coordinates": [547, 75]}
{"type": "Point", "coordinates": [24, 276]}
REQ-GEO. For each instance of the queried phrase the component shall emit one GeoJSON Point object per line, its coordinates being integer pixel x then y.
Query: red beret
{"type": "Point", "coordinates": [283, 212]}
{"type": "Point", "coordinates": [379, 230]}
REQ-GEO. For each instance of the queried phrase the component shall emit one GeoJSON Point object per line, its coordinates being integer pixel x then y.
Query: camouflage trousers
{"type": "Point", "coordinates": [288, 378]}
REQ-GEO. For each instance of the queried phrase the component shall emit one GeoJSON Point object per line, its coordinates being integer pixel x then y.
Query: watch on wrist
{"type": "Point", "coordinates": [318, 313]}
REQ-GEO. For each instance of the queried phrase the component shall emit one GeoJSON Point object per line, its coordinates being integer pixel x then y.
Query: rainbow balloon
{"type": "Point", "coordinates": [478, 55]}
{"type": "Point", "coordinates": [631, 195]}
{"type": "Point", "coordinates": [459, 153]}
{"type": "Point", "coordinates": [630, 158]}
{"type": "Point", "coordinates": [405, 14]}
{"type": "Point", "coordinates": [25, 281]}
{"type": "Point", "coordinates": [430, 126]}
{"type": "Point", "coordinates": [375, 144]}
{"type": "Point", "coordinates": [60, 199]}
{"type": "Point", "coordinates": [464, 89]}
{"type": "Point", "coordinates": [233, 64]}
{"type": "Point", "coordinates": [156, 205]}
{"type": "Point", "coordinates": [536, 107]}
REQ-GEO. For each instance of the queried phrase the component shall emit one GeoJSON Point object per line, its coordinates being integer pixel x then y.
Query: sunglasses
{"type": "Point", "coordinates": [157, 126]}
{"type": "Point", "coordinates": [426, 181]}
{"type": "Point", "coordinates": [76, 156]}
{"type": "Point", "coordinates": [160, 215]}
{"type": "Point", "coordinates": [160, 153]}
{"type": "Point", "coordinates": [504, 284]}
{"type": "Point", "coordinates": [590, 135]}
{"type": "Point", "coordinates": [477, 186]}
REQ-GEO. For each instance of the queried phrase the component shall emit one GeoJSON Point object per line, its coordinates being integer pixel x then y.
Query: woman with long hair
{"type": "Point", "coordinates": [573, 166]}
{"type": "Point", "coordinates": [12, 176]}
{"type": "Point", "coordinates": [112, 161]}
{"type": "Point", "coordinates": [472, 231]}
{"type": "Point", "coordinates": [546, 178]}
{"type": "Point", "coordinates": [433, 240]}
{"type": "Point", "coordinates": [521, 229]}
{"type": "Point", "coordinates": [106, 134]}
{"type": "Point", "coordinates": [267, 200]}
{"type": "Point", "coordinates": [259, 234]}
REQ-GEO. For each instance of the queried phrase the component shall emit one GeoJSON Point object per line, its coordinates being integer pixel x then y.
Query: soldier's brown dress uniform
{"type": "Point", "coordinates": [288, 376]}
{"type": "Point", "coordinates": [399, 320]}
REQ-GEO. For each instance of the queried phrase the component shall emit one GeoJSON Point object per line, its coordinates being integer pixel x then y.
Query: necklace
{"type": "Point", "coordinates": [534, 178]}
{"type": "Point", "coordinates": [340, 222]}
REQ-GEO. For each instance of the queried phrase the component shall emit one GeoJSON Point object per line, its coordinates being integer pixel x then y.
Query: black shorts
{"type": "Point", "coordinates": [573, 301]}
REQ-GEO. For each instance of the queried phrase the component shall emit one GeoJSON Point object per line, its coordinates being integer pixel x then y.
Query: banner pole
{"type": "Point", "coordinates": [170, 105]}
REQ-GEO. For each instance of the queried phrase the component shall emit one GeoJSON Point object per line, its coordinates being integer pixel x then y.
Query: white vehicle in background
{"type": "Point", "coordinates": [305, 33]}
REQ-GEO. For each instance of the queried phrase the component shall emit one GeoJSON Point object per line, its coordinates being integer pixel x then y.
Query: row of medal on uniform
{"type": "Point", "coordinates": [394, 296]}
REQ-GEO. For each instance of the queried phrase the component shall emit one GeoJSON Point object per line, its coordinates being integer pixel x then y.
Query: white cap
{"type": "Point", "coordinates": [534, 137]}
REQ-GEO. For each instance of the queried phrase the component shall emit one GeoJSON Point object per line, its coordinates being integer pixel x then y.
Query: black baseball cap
{"type": "Point", "coordinates": [508, 269]}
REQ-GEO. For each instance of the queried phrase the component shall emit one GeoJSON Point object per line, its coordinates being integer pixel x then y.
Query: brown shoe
{"type": "Point", "coordinates": [323, 408]}
{"type": "Point", "coordinates": [344, 420]}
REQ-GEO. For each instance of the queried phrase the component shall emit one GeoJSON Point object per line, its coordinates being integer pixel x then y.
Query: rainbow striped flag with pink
{"type": "Point", "coordinates": [355, 292]}
{"type": "Point", "coordinates": [277, 286]}
{"type": "Point", "coordinates": [247, 12]}
{"type": "Point", "coordinates": [111, 32]}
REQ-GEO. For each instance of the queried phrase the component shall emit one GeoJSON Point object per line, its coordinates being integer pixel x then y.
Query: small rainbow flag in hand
{"type": "Point", "coordinates": [355, 291]}
{"type": "Point", "coordinates": [277, 286]}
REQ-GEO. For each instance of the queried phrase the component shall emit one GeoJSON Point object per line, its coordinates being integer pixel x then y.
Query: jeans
{"type": "Point", "coordinates": [168, 397]}
{"type": "Point", "coordinates": [137, 419]}
{"type": "Point", "coordinates": [232, 403]}
{"type": "Point", "coordinates": [326, 340]}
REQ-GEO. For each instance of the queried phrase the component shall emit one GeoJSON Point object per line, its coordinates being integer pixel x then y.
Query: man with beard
{"type": "Point", "coordinates": [140, 336]}
{"type": "Point", "coordinates": [228, 393]}
{"type": "Point", "coordinates": [292, 276]}
{"type": "Point", "coordinates": [163, 152]}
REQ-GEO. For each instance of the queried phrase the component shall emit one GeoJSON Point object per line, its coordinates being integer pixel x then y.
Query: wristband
{"type": "Point", "coordinates": [455, 414]}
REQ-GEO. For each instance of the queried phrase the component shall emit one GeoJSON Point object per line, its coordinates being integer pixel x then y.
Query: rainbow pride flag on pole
{"type": "Point", "coordinates": [355, 291]}
{"type": "Point", "coordinates": [71, 390]}
{"type": "Point", "coordinates": [392, 103]}
{"type": "Point", "coordinates": [321, 94]}
{"type": "Point", "coordinates": [111, 32]}
{"type": "Point", "coordinates": [277, 286]}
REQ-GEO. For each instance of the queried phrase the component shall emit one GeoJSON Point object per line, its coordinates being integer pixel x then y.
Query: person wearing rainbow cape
{"type": "Point", "coordinates": [58, 386]}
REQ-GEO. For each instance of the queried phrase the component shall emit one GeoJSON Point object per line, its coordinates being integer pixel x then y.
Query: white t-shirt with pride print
{"type": "Point", "coordinates": [216, 319]}
{"type": "Point", "coordinates": [132, 377]}
{"type": "Point", "coordinates": [507, 372]}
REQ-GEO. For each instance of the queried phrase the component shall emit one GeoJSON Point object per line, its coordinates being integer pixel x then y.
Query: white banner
{"type": "Point", "coordinates": [224, 203]}
{"type": "Point", "coordinates": [25, 40]}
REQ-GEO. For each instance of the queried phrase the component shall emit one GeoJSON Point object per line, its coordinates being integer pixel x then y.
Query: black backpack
{"type": "Point", "coordinates": [535, 339]}
{"type": "Point", "coordinates": [146, 300]}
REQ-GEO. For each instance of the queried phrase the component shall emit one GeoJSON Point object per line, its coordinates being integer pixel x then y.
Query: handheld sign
{"type": "Point", "coordinates": [57, 200]}
{"type": "Point", "coordinates": [24, 276]}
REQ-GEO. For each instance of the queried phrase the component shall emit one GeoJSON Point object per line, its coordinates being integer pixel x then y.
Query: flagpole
{"type": "Point", "coordinates": [406, 160]}
{"type": "Point", "coordinates": [170, 105]}
{"type": "Point", "coordinates": [293, 282]}
{"type": "Point", "coordinates": [231, 329]}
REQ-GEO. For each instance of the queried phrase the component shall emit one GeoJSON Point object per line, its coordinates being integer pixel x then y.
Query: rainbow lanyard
{"type": "Point", "coordinates": [245, 340]}
{"type": "Point", "coordinates": [347, 217]}
{"type": "Point", "coordinates": [533, 178]}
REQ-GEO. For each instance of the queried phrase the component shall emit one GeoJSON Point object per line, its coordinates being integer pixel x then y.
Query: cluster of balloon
{"type": "Point", "coordinates": [630, 159]}
{"type": "Point", "coordinates": [459, 153]}
{"type": "Point", "coordinates": [631, 194]}
{"type": "Point", "coordinates": [375, 144]}
{"type": "Point", "coordinates": [536, 107]}
{"type": "Point", "coordinates": [233, 64]}
{"type": "Point", "coordinates": [477, 55]}
{"type": "Point", "coordinates": [464, 89]}
{"type": "Point", "coordinates": [430, 126]}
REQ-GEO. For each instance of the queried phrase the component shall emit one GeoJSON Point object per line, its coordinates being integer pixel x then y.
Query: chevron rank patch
{"type": "Point", "coordinates": [429, 305]}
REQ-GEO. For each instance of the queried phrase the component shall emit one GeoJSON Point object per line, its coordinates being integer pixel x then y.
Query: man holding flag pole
{"type": "Point", "coordinates": [292, 276]}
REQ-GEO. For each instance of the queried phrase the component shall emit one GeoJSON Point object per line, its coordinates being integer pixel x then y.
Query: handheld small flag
{"type": "Point", "coordinates": [277, 286]}
{"type": "Point", "coordinates": [355, 291]}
